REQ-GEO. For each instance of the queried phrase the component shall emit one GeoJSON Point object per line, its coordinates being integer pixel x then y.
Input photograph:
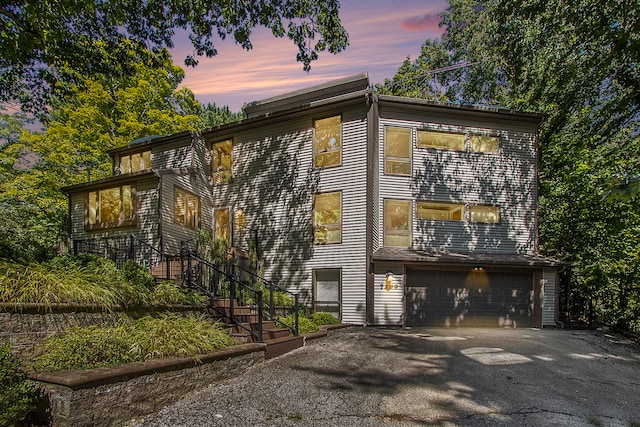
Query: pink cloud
{"type": "Point", "coordinates": [426, 22]}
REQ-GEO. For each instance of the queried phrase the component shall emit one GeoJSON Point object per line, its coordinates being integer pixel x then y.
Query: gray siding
{"type": "Point", "coordinates": [274, 183]}
{"type": "Point", "coordinates": [549, 297]}
{"type": "Point", "coordinates": [388, 305]}
{"type": "Point", "coordinates": [147, 224]}
{"type": "Point", "coordinates": [506, 179]}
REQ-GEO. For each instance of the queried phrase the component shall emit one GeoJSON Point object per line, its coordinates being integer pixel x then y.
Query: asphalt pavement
{"type": "Point", "coordinates": [429, 377]}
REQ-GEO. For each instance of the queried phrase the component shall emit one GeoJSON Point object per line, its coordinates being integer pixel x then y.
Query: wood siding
{"type": "Point", "coordinates": [549, 297]}
{"type": "Point", "coordinates": [506, 179]}
{"type": "Point", "coordinates": [147, 221]}
{"type": "Point", "coordinates": [274, 182]}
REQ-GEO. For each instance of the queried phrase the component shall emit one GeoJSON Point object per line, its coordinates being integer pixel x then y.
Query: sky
{"type": "Point", "coordinates": [382, 34]}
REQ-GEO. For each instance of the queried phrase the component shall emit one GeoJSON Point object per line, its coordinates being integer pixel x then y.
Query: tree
{"type": "Point", "coordinates": [46, 45]}
{"type": "Point", "coordinates": [98, 115]}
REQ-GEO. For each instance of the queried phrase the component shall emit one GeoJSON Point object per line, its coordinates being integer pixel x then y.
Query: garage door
{"type": "Point", "coordinates": [469, 298]}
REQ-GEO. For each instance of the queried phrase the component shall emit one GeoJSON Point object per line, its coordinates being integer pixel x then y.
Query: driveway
{"type": "Point", "coordinates": [423, 377]}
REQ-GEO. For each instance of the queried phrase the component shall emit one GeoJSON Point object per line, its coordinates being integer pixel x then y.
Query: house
{"type": "Point", "coordinates": [384, 210]}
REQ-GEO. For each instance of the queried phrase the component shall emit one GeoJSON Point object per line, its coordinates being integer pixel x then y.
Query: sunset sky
{"type": "Point", "coordinates": [382, 33]}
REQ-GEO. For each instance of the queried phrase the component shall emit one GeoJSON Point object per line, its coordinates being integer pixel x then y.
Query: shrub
{"type": "Point", "coordinates": [138, 275]}
{"type": "Point", "coordinates": [146, 338]}
{"type": "Point", "coordinates": [170, 293]}
{"type": "Point", "coordinates": [305, 325]}
{"type": "Point", "coordinates": [18, 397]}
{"type": "Point", "coordinates": [324, 318]}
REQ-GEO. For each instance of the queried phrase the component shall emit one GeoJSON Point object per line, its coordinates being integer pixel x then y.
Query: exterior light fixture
{"type": "Point", "coordinates": [478, 268]}
{"type": "Point", "coordinates": [388, 282]}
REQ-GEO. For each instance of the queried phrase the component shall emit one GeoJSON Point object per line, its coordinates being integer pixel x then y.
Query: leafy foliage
{"type": "Point", "coordinates": [130, 341]}
{"type": "Point", "coordinates": [168, 293]}
{"type": "Point", "coordinates": [324, 318]}
{"type": "Point", "coordinates": [46, 45]}
{"type": "Point", "coordinates": [18, 397]}
{"type": "Point", "coordinates": [305, 325]}
{"type": "Point", "coordinates": [84, 280]}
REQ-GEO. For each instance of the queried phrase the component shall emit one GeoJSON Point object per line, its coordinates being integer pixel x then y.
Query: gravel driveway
{"type": "Point", "coordinates": [423, 377]}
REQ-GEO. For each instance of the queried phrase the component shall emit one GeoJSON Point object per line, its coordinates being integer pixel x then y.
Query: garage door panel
{"type": "Point", "coordinates": [468, 298]}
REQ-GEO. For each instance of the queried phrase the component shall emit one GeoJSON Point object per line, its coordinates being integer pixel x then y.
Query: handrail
{"type": "Point", "coordinates": [274, 287]}
{"type": "Point", "coordinates": [212, 290]}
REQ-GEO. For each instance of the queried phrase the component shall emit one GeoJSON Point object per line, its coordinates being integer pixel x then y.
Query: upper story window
{"type": "Point", "coordinates": [397, 223]}
{"type": "Point", "coordinates": [485, 214]}
{"type": "Point", "coordinates": [327, 142]}
{"type": "Point", "coordinates": [222, 225]}
{"type": "Point", "coordinates": [485, 144]}
{"type": "Point", "coordinates": [441, 140]}
{"type": "Point", "coordinates": [441, 211]}
{"type": "Point", "coordinates": [222, 161]}
{"type": "Point", "coordinates": [135, 162]}
{"type": "Point", "coordinates": [397, 151]}
{"type": "Point", "coordinates": [327, 218]}
{"type": "Point", "coordinates": [186, 208]}
{"type": "Point", "coordinates": [111, 207]}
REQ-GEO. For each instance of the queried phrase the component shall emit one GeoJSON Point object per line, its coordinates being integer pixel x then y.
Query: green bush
{"type": "Point", "coordinates": [146, 338]}
{"type": "Point", "coordinates": [305, 325]}
{"type": "Point", "coordinates": [18, 397]}
{"type": "Point", "coordinates": [324, 318]}
{"type": "Point", "coordinates": [138, 275]}
{"type": "Point", "coordinates": [169, 293]}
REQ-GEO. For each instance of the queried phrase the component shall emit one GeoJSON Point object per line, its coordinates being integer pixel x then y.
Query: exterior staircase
{"type": "Point", "coordinates": [278, 340]}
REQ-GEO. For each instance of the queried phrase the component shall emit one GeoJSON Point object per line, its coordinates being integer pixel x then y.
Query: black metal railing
{"type": "Point", "coordinates": [279, 302]}
{"type": "Point", "coordinates": [217, 283]}
{"type": "Point", "coordinates": [123, 248]}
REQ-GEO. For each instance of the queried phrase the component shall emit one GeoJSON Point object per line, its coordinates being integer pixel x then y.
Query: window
{"type": "Point", "coordinates": [397, 151]}
{"type": "Point", "coordinates": [485, 144]}
{"type": "Point", "coordinates": [397, 223]}
{"type": "Point", "coordinates": [135, 162]}
{"type": "Point", "coordinates": [186, 208]}
{"type": "Point", "coordinates": [222, 161]}
{"type": "Point", "coordinates": [441, 140]}
{"type": "Point", "coordinates": [327, 218]}
{"type": "Point", "coordinates": [327, 142]}
{"type": "Point", "coordinates": [485, 214]}
{"type": "Point", "coordinates": [222, 226]}
{"type": "Point", "coordinates": [111, 207]}
{"type": "Point", "coordinates": [326, 290]}
{"type": "Point", "coordinates": [443, 211]}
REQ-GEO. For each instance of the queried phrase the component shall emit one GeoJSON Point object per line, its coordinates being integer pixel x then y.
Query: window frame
{"type": "Point", "coordinates": [317, 153]}
{"type": "Point", "coordinates": [97, 223]}
{"type": "Point", "coordinates": [408, 160]}
{"type": "Point", "coordinates": [221, 175]}
{"type": "Point", "coordinates": [188, 213]}
{"type": "Point", "coordinates": [496, 207]}
{"type": "Point", "coordinates": [331, 226]}
{"type": "Point", "coordinates": [464, 136]}
{"type": "Point", "coordinates": [128, 159]}
{"type": "Point", "coordinates": [408, 232]}
{"type": "Point", "coordinates": [229, 225]}
{"type": "Point", "coordinates": [436, 205]}
{"type": "Point", "coordinates": [325, 303]}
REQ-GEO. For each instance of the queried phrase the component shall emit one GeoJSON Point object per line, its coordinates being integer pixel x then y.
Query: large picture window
{"type": "Point", "coordinates": [135, 162]}
{"type": "Point", "coordinates": [327, 142]}
{"type": "Point", "coordinates": [222, 225]}
{"type": "Point", "coordinates": [397, 151]}
{"type": "Point", "coordinates": [439, 210]}
{"type": "Point", "coordinates": [186, 208]}
{"type": "Point", "coordinates": [111, 207]}
{"type": "Point", "coordinates": [327, 218]}
{"type": "Point", "coordinates": [397, 223]}
{"type": "Point", "coordinates": [222, 161]}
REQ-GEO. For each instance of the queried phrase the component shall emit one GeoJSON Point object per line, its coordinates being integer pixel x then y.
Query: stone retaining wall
{"type": "Point", "coordinates": [26, 325]}
{"type": "Point", "coordinates": [112, 396]}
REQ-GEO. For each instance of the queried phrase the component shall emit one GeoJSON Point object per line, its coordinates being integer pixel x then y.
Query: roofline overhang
{"type": "Point", "coordinates": [111, 180]}
{"type": "Point", "coordinates": [167, 139]}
